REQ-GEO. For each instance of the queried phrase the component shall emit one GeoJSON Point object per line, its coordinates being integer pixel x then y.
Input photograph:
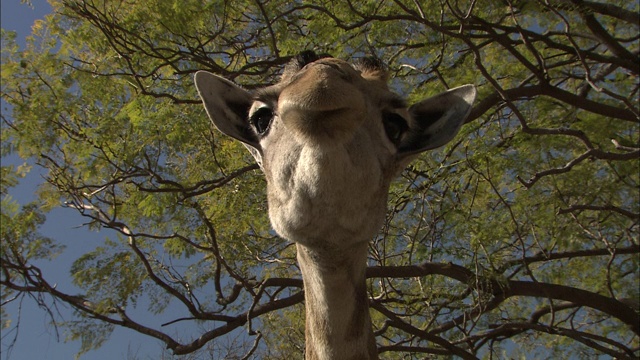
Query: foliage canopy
{"type": "Point", "coordinates": [524, 230]}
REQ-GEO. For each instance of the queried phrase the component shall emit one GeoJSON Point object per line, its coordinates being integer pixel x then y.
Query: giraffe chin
{"type": "Point", "coordinates": [325, 225]}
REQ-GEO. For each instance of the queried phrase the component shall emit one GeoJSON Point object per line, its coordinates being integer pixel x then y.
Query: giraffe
{"type": "Point", "coordinates": [329, 138]}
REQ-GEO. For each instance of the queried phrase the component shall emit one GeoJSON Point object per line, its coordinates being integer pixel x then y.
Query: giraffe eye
{"type": "Point", "coordinates": [261, 120]}
{"type": "Point", "coordinates": [394, 125]}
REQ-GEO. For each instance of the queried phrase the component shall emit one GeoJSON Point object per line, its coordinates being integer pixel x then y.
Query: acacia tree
{"type": "Point", "coordinates": [523, 230]}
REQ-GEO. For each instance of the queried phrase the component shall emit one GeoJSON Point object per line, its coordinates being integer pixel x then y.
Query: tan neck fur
{"type": "Point", "coordinates": [338, 325]}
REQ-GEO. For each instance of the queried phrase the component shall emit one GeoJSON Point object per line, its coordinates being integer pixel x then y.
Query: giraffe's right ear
{"type": "Point", "coordinates": [227, 105]}
{"type": "Point", "coordinates": [436, 120]}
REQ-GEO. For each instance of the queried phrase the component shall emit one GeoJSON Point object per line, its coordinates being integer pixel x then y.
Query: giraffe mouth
{"type": "Point", "coordinates": [321, 87]}
{"type": "Point", "coordinates": [322, 102]}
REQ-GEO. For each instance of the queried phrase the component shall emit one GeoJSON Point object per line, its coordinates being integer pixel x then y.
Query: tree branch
{"type": "Point", "coordinates": [510, 288]}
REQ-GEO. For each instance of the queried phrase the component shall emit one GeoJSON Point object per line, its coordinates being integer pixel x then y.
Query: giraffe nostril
{"type": "Point", "coordinates": [341, 72]}
{"type": "Point", "coordinates": [333, 66]}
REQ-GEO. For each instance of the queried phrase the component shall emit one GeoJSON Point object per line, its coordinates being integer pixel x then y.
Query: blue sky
{"type": "Point", "coordinates": [37, 338]}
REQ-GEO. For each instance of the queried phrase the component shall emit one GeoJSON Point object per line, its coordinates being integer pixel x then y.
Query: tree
{"type": "Point", "coordinates": [525, 230]}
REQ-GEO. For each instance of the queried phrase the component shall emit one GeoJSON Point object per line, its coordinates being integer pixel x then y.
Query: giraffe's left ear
{"type": "Point", "coordinates": [436, 120]}
{"type": "Point", "coordinates": [227, 105]}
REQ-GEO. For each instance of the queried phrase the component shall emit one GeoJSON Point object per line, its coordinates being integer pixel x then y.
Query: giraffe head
{"type": "Point", "coordinates": [330, 137]}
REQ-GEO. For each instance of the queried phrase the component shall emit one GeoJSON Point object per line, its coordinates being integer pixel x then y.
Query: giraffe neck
{"type": "Point", "coordinates": [338, 325]}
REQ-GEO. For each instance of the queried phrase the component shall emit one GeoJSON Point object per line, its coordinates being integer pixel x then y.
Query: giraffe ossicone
{"type": "Point", "coordinates": [330, 137]}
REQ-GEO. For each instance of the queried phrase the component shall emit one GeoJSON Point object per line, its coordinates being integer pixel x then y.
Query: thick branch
{"type": "Point", "coordinates": [528, 92]}
{"type": "Point", "coordinates": [603, 35]}
{"type": "Point", "coordinates": [511, 288]}
{"type": "Point", "coordinates": [614, 11]}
